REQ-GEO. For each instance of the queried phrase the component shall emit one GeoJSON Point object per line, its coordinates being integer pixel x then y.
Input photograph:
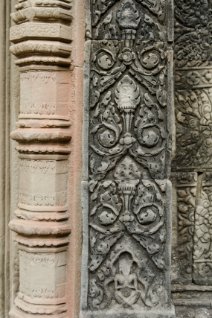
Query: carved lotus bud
{"type": "Point", "coordinates": [127, 94]}
{"type": "Point", "coordinates": [128, 18]}
{"type": "Point", "coordinates": [128, 15]}
{"type": "Point", "coordinates": [127, 175]}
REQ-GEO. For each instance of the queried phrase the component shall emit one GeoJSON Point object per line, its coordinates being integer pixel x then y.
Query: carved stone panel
{"type": "Point", "coordinates": [193, 119]}
{"type": "Point", "coordinates": [143, 20]}
{"type": "Point", "coordinates": [185, 185]}
{"type": "Point", "coordinates": [193, 103]}
{"type": "Point", "coordinates": [203, 233]}
{"type": "Point", "coordinates": [193, 82]}
{"type": "Point", "coordinates": [128, 240]}
{"type": "Point", "coordinates": [128, 107]}
{"type": "Point", "coordinates": [129, 142]}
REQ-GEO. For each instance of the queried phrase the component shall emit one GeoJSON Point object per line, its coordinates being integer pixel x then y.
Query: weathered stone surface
{"type": "Point", "coordinates": [193, 78]}
{"type": "Point", "coordinates": [143, 20]}
{"type": "Point", "coordinates": [5, 155]}
{"type": "Point", "coordinates": [193, 118]}
{"type": "Point", "coordinates": [127, 224]}
{"type": "Point", "coordinates": [128, 241]}
{"type": "Point", "coordinates": [129, 112]}
{"type": "Point", "coordinates": [130, 119]}
{"type": "Point", "coordinates": [41, 38]}
{"type": "Point", "coordinates": [203, 233]}
{"type": "Point", "coordinates": [193, 83]}
{"type": "Point", "coordinates": [45, 95]}
{"type": "Point", "coordinates": [185, 185]}
{"type": "Point", "coordinates": [42, 33]}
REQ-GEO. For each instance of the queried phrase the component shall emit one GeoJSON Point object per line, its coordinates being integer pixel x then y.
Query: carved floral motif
{"type": "Point", "coordinates": [193, 82]}
{"type": "Point", "coordinates": [127, 219]}
{"type": "Point", "coordinates": [129, 156]}
{"type": "Point", "coordinates": [203, 234]}
{"type": "Point", "coordinates": [193, 115]}
{"type": "Point", "coordinates": [128, 107]}
{"type": "Point", "coordinates": [140, 19]}
{"type": "Point", "coordinates": [186, 205]}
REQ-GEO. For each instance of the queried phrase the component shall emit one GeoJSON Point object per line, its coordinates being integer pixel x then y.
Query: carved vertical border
{"type": "Point", "coordinates": [41, 41]}
{"type": "Point", "coordinates": [192, 164]}
{"type": "Point", "coordinates": [76, 162]}
{"type": "Point", "coordinates": [193, 100]}
{"type": "Point", "coordinates": [5, 158]}
{"type": "Point", "coordinates": [2, 144]}
{"type": "Point", "coordinates": [116, 32]}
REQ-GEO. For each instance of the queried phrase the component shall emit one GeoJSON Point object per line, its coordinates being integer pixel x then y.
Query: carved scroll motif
{"type": "Point", "coordinates": [129, 160]}
{"type": "Point", "coordinates": [203, 233]}
{"type": "Point", "coordinates": [129, 112]}
{"type": "Point", "coordinates": [186, 196]}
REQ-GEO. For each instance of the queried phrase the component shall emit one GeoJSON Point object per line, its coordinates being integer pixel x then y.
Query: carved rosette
{"type": "Point", "coordinates": [130, 116]}
{"type": "Point", "coordinates": [41, 40]}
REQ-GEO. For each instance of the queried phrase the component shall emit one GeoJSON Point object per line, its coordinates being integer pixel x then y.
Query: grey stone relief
{"type": "Point", "coordinates": [143, 20]}
{"type": "Point", "coordinates": [193, 81]}
{"type": "Point", "coordinates": [130, 115]}
{"type": "Point", "coordinates": [192, 167]}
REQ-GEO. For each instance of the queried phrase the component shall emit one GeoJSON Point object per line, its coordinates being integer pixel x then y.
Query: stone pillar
{"type": "Point", "coordinates": [193, 164]}
{"type": "Point", "coordinates": [41, 40]}
{"type": "Point", "coordinates": [129, 119]}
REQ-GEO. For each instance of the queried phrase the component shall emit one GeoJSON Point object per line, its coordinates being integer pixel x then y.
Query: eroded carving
{"type": "Point", "coordinates": [127, 240]}
{"type": "Point", "coordinates": [193, 115]}
{"type": "Point", "coordinates": [203, 233]}
{"type": "Point", "coordinates": [186, 194]}
{"type": "Point", "coordinates": [144, 20]}
{"type": "Point", "coordinates": [193, 129]}
{"type": "Point", "coordinates": [129, 155]}
{"type": "Point", "coordinates": [128, 107]}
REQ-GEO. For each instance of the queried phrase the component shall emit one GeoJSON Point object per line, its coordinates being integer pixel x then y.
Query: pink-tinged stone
{"type": "Point", "coordinates": [45, 95]}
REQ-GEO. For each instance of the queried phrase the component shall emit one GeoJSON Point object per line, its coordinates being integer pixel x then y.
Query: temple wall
{"type": "Point", "coordinates": [88, 132]}
{"type": "Point", "coordinates": [192, 271]}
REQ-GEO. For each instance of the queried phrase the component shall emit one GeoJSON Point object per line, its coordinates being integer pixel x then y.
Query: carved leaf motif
{"type": "Point", "coordinates": [191, 13]}
{"type": "Point", "coordinates": [128, 135]}
{"type": "Point", "coordinates": [193, 113]}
